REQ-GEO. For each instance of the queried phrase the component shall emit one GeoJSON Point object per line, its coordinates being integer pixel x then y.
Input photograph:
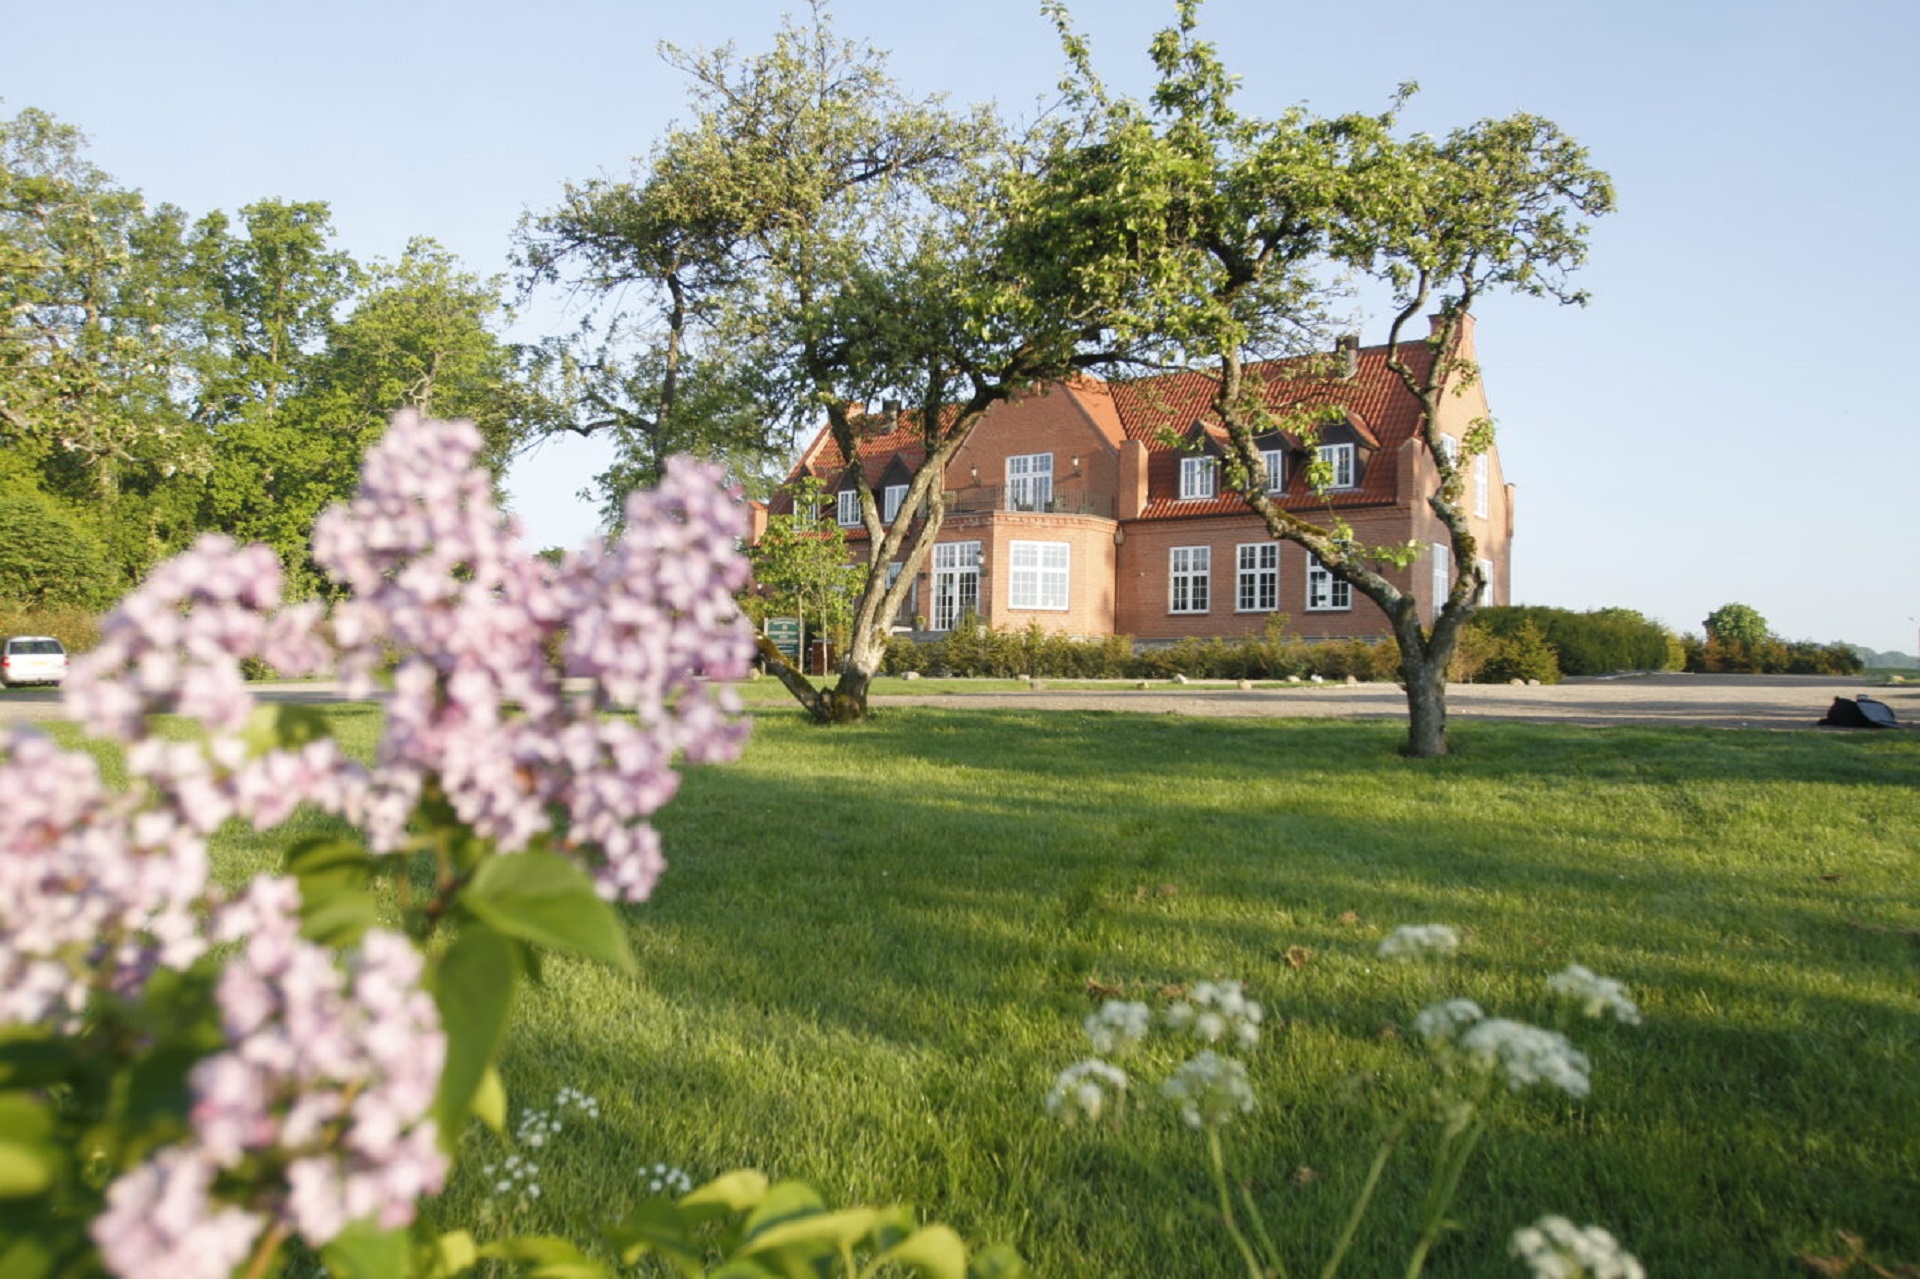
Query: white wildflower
{"type": "Point", "coordinates": [1118, 1026]}
{"type": "Point", "coordinates": [665, 1179]}
{"type": "Point", "coordinates": [514, 1178]}
{"type": "Point", "coordinates": [1555, 1248]}
{"type": "Point", "coordinates": [1442, 1022]}
{"type": "Point", "coordinates": [1218, 1010]}
{"type": "Point", "coordinates": [1081, 1090]}
{"type": "Point", "coordinates": [1527, 1055]}
{"type": "Point", "coordinates": [1597, 996]}
{"type": "Point", "coordinates": [1418, 941]}
{"type": "Point", "coordinates": [1210, 1090]}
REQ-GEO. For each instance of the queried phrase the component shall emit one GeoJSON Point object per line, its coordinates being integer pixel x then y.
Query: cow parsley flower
{"type": "Point", "coordinates": [1555, 1248]}
{"type": "Point", "coordinates": [1117, 1026]}
{"type": "Point", "coordinates": [1526, 1055]}
{"type": "Point", "coordinates": [1215, 1011]}
{"type": "Point", "coordinates": [1210, 1090]}
{"type": "Point", "coordinates": [1597, 996]}
{"type": "Point", "coordinates": [1419, 941]}
{"type": "Point", "coordinates": [1085, 1089]}
{"type": "Point", "coordinates": [1438, 1024]}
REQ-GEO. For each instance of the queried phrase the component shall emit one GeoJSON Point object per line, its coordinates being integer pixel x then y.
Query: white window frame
{"type": "Point", "coordinates": [806, 514]}
{"type": "Point", "coordinates": [1442, 575]}
{"type": "Point", "coordinates": [1486, 595]}
{"type": "Point", "coordinates": [956, 583]}
{"type": "Point", "coordinates": [847, 508]}
{"type": "Point", "coordinates": [1189, 579]}
{"type": "Point", "coordinates": [1256, 587]}
{"type": "Point", "coordinates": [1276, 460]}
{"type": "Point", "coordinates": [1450, 449]}
{"type": "Point", "coordinates": [1199, 478]}
{"type": "Point", "coordinates": [1482, 484]}
{"type": "Point", "coordinates": [1040, 576]}
{"type": "Point", "coordinates": [1340, 457]}
{"type": "Point", "coordinates": [893, 499]}
{"type": "Point", "coordinates": [1029, 481]}
{"type": "Point", "coordinates": [1325, 592]}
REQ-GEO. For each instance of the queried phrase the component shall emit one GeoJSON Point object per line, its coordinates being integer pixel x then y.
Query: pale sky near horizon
{"type": "Point", "coordinates": [1723, 423]}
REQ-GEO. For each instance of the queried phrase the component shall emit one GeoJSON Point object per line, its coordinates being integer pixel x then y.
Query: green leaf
{"type": "Point", "coordinates": [364, 1251]}
{"type": "Point", "coordinates": [838, 1230]}
{"type": "Point", "coordinates": [36, 1062]}
{"type": "Point", "coordinates": [24, 1170]}
{"type": "Point", "coordinates": [739, 1191]}
{"type": "Point", "coordinates": [337, 918]}
{"type": "Point", "coordinates": [490, 1101]}
{"type": "Point", "coordinates": [472, 984]}
{"type": "Point", "coordinates": [659, 1227]}
{"type": "Point", "coordinates": [546, 1257]}
{"type": "Point", "coordinates": [454, 1253]}
{"type": "Point", "coordinates": [998, 1262]}
{"type": "Point", "coordinates": [935, 1252]}
{"type": "Point", "coordinates": [545, 899]}
{"type": "Point", "coordinates": [784, 1202]}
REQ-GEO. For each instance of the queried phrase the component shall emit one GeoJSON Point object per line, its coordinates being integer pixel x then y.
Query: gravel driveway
{"type": "Point", "coordinates": [1673, 700]}
{"type": "Point", "coordinates": [1667, 699]}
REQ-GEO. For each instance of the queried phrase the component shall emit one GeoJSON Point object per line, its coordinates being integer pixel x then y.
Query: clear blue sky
{"type": "Point", "coordinates": [1729, 419]}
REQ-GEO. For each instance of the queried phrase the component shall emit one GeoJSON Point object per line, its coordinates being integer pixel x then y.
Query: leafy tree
{"type": "Point", "coordinates": [48, 559]}
{"type": "Point", "coordinates": [1209, 230]}
{"type": "Point", "coordinates": [803, 567]}
{"type": "Point", "coordinates": [831, 241]}
{"type": "Point", "coordinates": [91, 291]}
{"type": "Point", "coordinates": [1737, 625]}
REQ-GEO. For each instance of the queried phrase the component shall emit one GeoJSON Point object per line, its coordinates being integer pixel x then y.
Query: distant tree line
{"type": "Point", "coordinates": [163, 375]}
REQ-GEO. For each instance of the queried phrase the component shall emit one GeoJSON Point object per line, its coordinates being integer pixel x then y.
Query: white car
{"type": "Point", "coordinates": [32, 659]}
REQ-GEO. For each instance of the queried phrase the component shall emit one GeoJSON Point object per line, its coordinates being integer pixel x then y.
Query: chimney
{"type": "Point", "coordinates": [1133, 480]}
{"type": "Point", "coordinates": [890, 409]}
{"type": "Point", "coordinates": [1346, 349]}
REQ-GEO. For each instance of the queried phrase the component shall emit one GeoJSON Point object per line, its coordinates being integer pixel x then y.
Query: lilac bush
{"type": "Point", "coordinates": [197, 1078]}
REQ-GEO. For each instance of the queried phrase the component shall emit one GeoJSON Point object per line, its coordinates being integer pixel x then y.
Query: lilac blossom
{"type": "Point", "coordinates": [479, 707]}
{"type": "Point", "coordinates": [331, 1073]}
{"type": "Point", "coordinates": [161, 1219]}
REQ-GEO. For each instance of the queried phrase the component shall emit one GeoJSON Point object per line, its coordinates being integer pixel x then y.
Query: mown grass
{"type": "Point", "coordinates": [874, 945]}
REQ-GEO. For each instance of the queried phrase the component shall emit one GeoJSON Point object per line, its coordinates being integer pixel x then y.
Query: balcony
{"type": "Point", "coordinates": [979, 499]}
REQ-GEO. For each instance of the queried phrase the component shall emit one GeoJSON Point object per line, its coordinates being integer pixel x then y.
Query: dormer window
{"type": "Point", "coordinates": [848, 511]}
{"type": "Point", "coordinates": [895, 495]}
{"type": "Point", "coordinates": [1276, 460]}
{"type": "Point", "coordinates": [1199, 477]}
{"type": "Point", "coordinates": [1339, 459]}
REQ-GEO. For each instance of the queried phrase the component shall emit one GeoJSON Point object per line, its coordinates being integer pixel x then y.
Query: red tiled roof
{"type": "Point", "coordinates": [1161, 409]}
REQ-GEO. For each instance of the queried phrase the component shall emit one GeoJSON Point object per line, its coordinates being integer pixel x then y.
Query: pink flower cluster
{"type": "Point", "coordinates": [486, 635]}
{"type": "Point", "coordinates": [328, 1078]}
{"type": "Point", "coordinates": [510, 671]}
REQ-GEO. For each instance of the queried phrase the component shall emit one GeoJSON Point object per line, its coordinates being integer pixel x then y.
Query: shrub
{"type": "Point", "coordinates": [1592, 643]}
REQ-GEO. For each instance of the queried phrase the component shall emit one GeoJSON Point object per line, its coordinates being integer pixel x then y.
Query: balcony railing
{"type": "Point", "coordinates": [982, 498]}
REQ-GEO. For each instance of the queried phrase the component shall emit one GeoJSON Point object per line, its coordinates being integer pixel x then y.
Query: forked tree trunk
{"type": "Point", "coordinates": [1426, 681]}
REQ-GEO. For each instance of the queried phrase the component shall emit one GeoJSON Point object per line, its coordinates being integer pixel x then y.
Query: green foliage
{"type": "Point", "coordinates": [1597, 642]}
{"type": "Point", "coordinates": [973, 650]}
{"type": "Point", "coordinates": [805, 570]}
{"type": "Point", "coordinates": [1488, 656]}
{"type": "Point", "coordinates": [1737, 625]}
{"type": "Point", "coordinates": [49, 559]}
{"type": "Point", "coordinates": [77, 629]}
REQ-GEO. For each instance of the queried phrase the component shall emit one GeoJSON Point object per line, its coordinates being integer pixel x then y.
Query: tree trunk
{"type": "Point", "coordinates": [1425, 675]}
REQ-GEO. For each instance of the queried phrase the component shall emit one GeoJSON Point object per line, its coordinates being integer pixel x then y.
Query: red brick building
{"type": "Point", "coordinates": [1096, 508]}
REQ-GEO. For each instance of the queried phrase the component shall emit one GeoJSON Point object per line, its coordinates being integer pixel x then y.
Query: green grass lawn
{"type": "Point", "coordinates": [874, 946]}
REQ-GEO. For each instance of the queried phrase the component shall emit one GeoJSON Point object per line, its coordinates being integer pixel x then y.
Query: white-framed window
{"type": "Point", "coordinates": [1257, 584]}
{"type": "Point", "coordinates": [1030, 482]}
{"type": "Point", "coordinates": [1450, 449]}
{"type": "Point", "coordinates": [1482, 484]}
{"type": "Point", "coordinates": [1039, 577]}
{"type": "Point", "coordinates": [1442, 577]}
{"type": "Point", "coordinates": [909, 604]}
{"type": "Point", "coordinates": [806, 514]}
{"type": "Point", "coordinates": [1198, 477]}
{"type": "Point", "coordinates": [1338, 457]}
{"type": "Point", "coordinates": [891, 501]}
{"type": "Point", "coordinates": [1188, 573]}
{"type": "Point", "coordinates": [1276, 460]}
{"type": "Point", "coordinates": [1486, 582]}
{"type": "Point", "coordinates": [1325, 592]}
{"type": "Point", "coordinates": [847, 511]}
{"type": "Point", "coordinates": [956, 582]}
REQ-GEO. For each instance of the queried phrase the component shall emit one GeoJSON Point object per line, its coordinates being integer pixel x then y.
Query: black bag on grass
{"type": "Point", "coordinates": [1861, 712]}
